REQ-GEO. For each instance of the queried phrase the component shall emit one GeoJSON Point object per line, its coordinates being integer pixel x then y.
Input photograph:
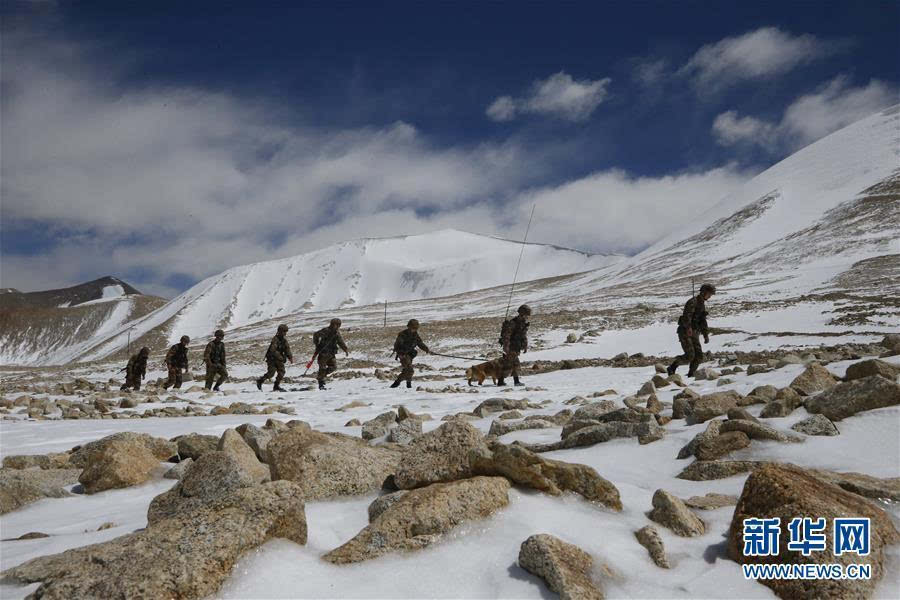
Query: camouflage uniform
{"type": "Point", "coordinates": [214, 357]}
{"type": "Point", "coordinates": [176, 360]}
{"type": "Point", "coordinates": [135, 371]}
{"type": "Point", "coordinates": [279, 351]}
{"type": "Point", "coordinates": [327, 340]}
{"type": "Point", "coordinates": [405, 348]}
{"type": "Point", "coordinates": [514, 339]}
{"type": "Point", "coordinates": [693, 318]}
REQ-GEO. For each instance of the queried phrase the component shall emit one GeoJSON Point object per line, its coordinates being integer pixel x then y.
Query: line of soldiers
{"type": "Point", "coordinates": [513, 339]}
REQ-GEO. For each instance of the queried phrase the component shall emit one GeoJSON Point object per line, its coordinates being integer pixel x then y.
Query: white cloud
{"type": "Point", "coordinates": [758, 54]}
{"type": "Point", "coordinates": [809, 117]}
{"type": "Point", "coordinates": [649, 72]}
{"type": "Point", "coordinates": [558, 96]}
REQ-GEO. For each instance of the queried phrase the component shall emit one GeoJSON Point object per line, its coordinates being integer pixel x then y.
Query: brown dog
{"type": "Point", "coordinates": [483, 371]}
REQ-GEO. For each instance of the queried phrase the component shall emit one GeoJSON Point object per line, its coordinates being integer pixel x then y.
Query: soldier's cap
{"type": "Point", "coordinates": [185, 339]}
{"type": "Point", "coordinates": [335, 323]}
{"type": "Point", "coordinates": [219, 333]}
{"type": "Point", "coordinates": [524, 310]}
{"type": "Point", "coordinates": [282, 327]}
{"type": "Point", "coordinates": [413, 324]}
{"type": "Point", "coordinates": [145, 351]}
{"type": "Point", "coordinates": [708, 287]}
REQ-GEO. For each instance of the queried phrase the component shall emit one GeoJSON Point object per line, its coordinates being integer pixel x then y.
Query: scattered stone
{"type": "Point", "coordinates": [352, 423]}
{"type": "Point", "coordinates": [33, 535]}
{"type": "Point", "coordinates": [158, 447]}
{"type": "Point", "coordinates": [757, 369]}
{"type": "Point", "coordinates": [19, 487]}
{"type": "Point", "coordinates": [786, 401]}
{"type": "Point", "coordinates": [492, 405]}
{"type": "Point", "coordinates": [438, 456]}
{"type": "Point", "coordinates": [405, 432]}
{"type": "Point", "coordinates": [382, 503]}
{"type": "Point", "coordinates": [721, 445]}
{"type": "Point", "coordinates": [499, 428]}
{"type": "Point", "coordinates": [891, 341]}
{"type": "Point", "coordinates": [708, 470]}
{"type": "Point", "coordinates": [659, 368]}
{"type": "Point", "coordinates": [379, 426]}
{"type": "Point", "coordinates": [846, 399]}
{"type": "Point", "coordinates": [647, 389]}
{"type": "Point", "coordinates": [605, 393]}
{"type": "Point", "coordinates": [232, 443]}
{"type": "Point", "coordinates": [195, 445]}
{"type": "Point", "coordinates": [565, 567]}
{"type": "Point", "coordinates": [759, 431]}
{"type": "Point", "coordinates": [649, 538]}
{"type": "Point", "coordinates": [595, 410]}
{"type": "Point", "coordinates": [523, 467]}
{"type": "Point", "coordinates": [711, 432]}
{"type": "Point", "coordinates": [861, 484]}
{"type": "Point", "coordinates": [328, 465]}
{"type": "Point", "coordinates": [681, 407]}
{"type": "Point", "coordinates": [669, 511]}
{"type": "Point", "coordinates": [620, 356]}
{"type": "Point", "coordinates": [571, 338]}
{"type": "Point", "coordinates": [816, 425]}
{"type": "Point", "coordinates": [105, 526]}
{"type": "Point", "coordinates": [421, 516]}
{"type": "Point", "coordinates": [654, 405]}
{"type": "Point", "coordinates": [708, 406]}
{"type": "Point", "coordinates": [711, 501]}
{"type": "Point", "coordinates": [663, 419]}
{"type": "Point", "coordinates": [178, 471]}
{"type": "Point", "coordinates": [815, 378]}
{"type": "Point", "coordinates": [53, 460]}
{"type": "Point", "coordinates": [351, 405]}
{"type": "Point", "coordinates": [560, 418]}
{"type": "Point", "coordinates": [736, 414]}
{"type": "Point", "coordinates": [868, 368]}
{"type": "Point", "coordinates": [707, 374]}
{"type": "Point", "coordinates": [510, 414]}
{"type": "Point", "coordinates": [786, 492]}
{"type": "Point", "coordinates": [119, 464]}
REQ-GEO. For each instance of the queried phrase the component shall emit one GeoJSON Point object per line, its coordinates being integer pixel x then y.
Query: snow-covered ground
{"type": "Point", "coordinates": [478, 559]}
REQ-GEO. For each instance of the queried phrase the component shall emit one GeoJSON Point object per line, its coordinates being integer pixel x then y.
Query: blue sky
{"type": "Point", "coordinates": [164, 142]}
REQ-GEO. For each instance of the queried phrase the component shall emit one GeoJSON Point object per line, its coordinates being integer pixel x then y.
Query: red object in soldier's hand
{"type": "Point", "coordinates": [690, 332]}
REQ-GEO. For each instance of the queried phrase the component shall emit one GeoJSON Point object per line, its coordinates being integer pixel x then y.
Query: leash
{"type": "Point", "coordinates": [459, 357]}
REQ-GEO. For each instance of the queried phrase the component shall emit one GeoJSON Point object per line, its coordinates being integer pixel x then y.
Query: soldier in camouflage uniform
{"type": "Point", "coordinates": [214, 357]}
{"type": "Point", "coordinates": [176, 360]}
{"type": "Point", "coordinates": [327, 341]}
{"type": "Point", "coordinates": [405, 350]}
{"type": "Point", "coordinates": [136, 369]}
{"type": "Point", "coordinates": [514, 339]}
{"type": "Point", "coordinates": [691, 325]}
{"type": "Point", "coordinates": [278, 351]}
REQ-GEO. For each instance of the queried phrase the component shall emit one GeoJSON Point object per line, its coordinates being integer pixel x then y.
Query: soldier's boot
{"type": "Point", "coordinates": [672, 368]}
{"type": "Point", "coordinates": [216, 388]}
{"type": "Point", "coordinates": [501, 382]}
{"type": "Point", "coordinates": [516, 380]}
{"type": "Point", "coordinates": [124, 387]}
{"type": "Point", "coordinates": [322, 384]}
{"type": "Point", "coordinates": [408, 383]}
{"type": "Point", "coordinates": [396, 383]}
{"type": "Point", "coordinates": [277, 388]}
{"type": "Point", "coordinates": [259, 383]}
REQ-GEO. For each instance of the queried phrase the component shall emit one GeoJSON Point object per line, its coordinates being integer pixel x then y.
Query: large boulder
{"type": "Point", "coordinates": [759, 431]}
{"type": "Point", "coordinates": [421, 516]}
{"type": "Point", "coordinates": [671, 511]}
{"type": "Point", "coordinates": [54, 460]}
{"type": "Point", "coordinates": [328, 465]}
{"type": "Point", "coordinates": [595, 410]}
{"type": "Point", "coordinates": [258, 439]}
{"type": "Point", "coordinates": [118, 465]}
{"type": "Point", "coordinates": [158, 447]}
{"type": "Point", "coordinates": [713, 405]}
{"type": "Point", "coordinates": [815, 378]}
{"type": "Point", "coordinates": [861, 484]}
{"type": "Point", "coordinates": [711, 432]}
{"type": "Point", "coordinates": [379, 426]}
{"type": "Point", "coordinates": [847, 399]}
{"type": "Point", "coordinates": [492, 405]}
{"type": "Point", "coordinates": [565, 567]}
{"type": "Point", "coordinates": [232, 443]}
{"type": "Point", "coordinates": [523, 467]}
{"type": "Point", "coordinates": [185, 555]}
{"type": "Point", "coordinates": [19, 487]}
{"type": "Point", "coordinates": [787, 492]}
{"type": "Point", "coordinates": [406, 431]}
{"type": "Point", "coordinates": [499, 428]}
{"type": "Point", "coordinates": [722, 445]}
{"type": "Point", "coordinates": [816, 425]}
{"type": "Point", "coordinates": [708, 470]}
{"type": "Point", "coordinates": [873, 366]}
{"type": "Point", "coordinates": [438, 456]}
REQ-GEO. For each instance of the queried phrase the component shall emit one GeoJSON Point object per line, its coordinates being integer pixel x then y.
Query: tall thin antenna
{"type": "Point", "coordinates": [522, 251]}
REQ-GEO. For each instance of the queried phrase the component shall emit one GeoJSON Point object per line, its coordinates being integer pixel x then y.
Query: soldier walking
{"type": "Point", "coordinates": [691, 325]}
{"type": "Point", "coordinates": [514, 339]}
{"type": "Point", "coordinates": [327, 340]}
{"type": "Point", "coordinates": [136, 369]}
{"type": "Point", "coordinates": [176, 360]}
{"type": "Point", "coordinates": [278, 351]}
{"type": "Point", "coordinates": [214, 357]}
{"type": "Point", "coordinates": [405, 350]}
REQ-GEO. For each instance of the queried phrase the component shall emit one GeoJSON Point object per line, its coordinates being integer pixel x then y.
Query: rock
{"type": "Point", "coordinates": [378, 427]}
{"type": "Point", "coordinates": [724, 381]}
{"type": "Point", "coordinates": [511, 414]}
{"type": "Point", "coordinates": [438, 456]}
{"type": "Point", "coordinates": [654, 405]}
{"type": "Point", "coordinates": [352, 423]}
{"type": "Point", "coordinates": [178, 471]}
{"type": "Point", "coordinates": [258, 439]}
{"type": "Point", "coordinates": [861, 484]}
{"type": "Point", "coordinates": [523, 467]}
{"type": "Point", "coordinates": [707, 374]}
{"type": "Point", "coordinates": [687, 393]}
{"type": "Point", "coordinates": [868, 368]}
{"type": "Point", "coordinates": [736, 414]}
{"type": "Point", "coordinates": [499, 428]}
{"type": "Point", "coordinates": [659, 368]}
{"type": "Point", "coordinates": [382, 503]}
{"type": "Point", "coordinates": [786, 401]}
{"type": "Point", "coordinates": [846, 399]}
{"type": "Point", "coordinates": [711, 432]}
{"type": "Point", "coordinates": [101, 405]}
{"type": "Point", "coordinates": [33, 535]}
{"type": "Point", "coordinates": [711, 501]}
{"type": "Point", "coordinates": [351, 405]}
{"type": "Point", "coordinates": [708, 406]}
{"type": "Point", "coordinates": [195, 445]}
{"type": "Point", "coordinates": [603, 432]}
{"type": "Point", "coordinates": [232, 443]}
{"type": "Point", "coordinates": [708, 470]}
{"type": "Point", "coordinates": [647, 389]}
{"type": "Point", "coordinates": [405, 432]}
{"type": "Point", "coordinates": [662, 419]}
{"type": "Point", "coordinates": [595, 410]}
{"type": "Point", "coordinates": [757, 369]}
{"type": "Point", "coordinates": [329, 465]}
{"type": "Point", "coordinates": [681, 407]}
{"type": "Point", "coordinates": [158, 447]}
{"type": "Point", "coordinates": [274, 426]}
{"type": "Point", "coordinates": [721, 445]}
{"type": "Point", "coordinates": [759, 431]}
{"type": "Point", "coordinates": [891, 341]}
{"type": "Point", "coordinates": [786, 492]}
{"type": "Point", "coordinates": [566, 568]}
{"type": "Point", "coordinates": [119, 464]}
{"type": "Point", "coordinates": [501, 404]}
{"type": "Point", "coordinates": [620, 356]}
{"type": "Point", "coordinates": [421, 516]}
{"type": "Point", "coordinates": [187, 555]}
{"type": "Point", "coordinates": [19, 487]}
{"type": "Point", "coordinates": [571, 338]}
{"type": "Point", "coordinates": [560, 418]}
{"type": "Point", "coordinates": [816, 425]}
{"type": "Point", "coordinates": [54, 460]}
{"type": "Point", "coordinates": [815, 378]}
{"type": "Point", "coordinates": [669, 511]}
{"type": "Point", "coordinates": [648, 537]}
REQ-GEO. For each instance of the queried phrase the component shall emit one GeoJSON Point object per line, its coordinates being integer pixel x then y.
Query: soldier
{"type": "Point", "coordinates": [514, 339]}
{"type": "Point", "coordinates": [278, 351]}
{"type": "Point", "coordinates": [214, 357]}
{"type": "Point", "coordinates": [327, 341]}
{"type": "Point", "coordinates": [176, 360]}
{"type": "Point", "coordinates": [405, 350]}
{"type": "Point", "coordinates": [691, 324]}
{"type": "Point", "coordinates": [136, 369]}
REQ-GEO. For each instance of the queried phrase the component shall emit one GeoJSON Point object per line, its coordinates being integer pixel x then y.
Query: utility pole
{"type": "Point", "coordinates": [129, 341]}
{"type": "Point", "coordinates": [385, 313]}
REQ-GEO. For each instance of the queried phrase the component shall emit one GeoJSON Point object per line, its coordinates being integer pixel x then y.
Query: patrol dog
{"type": "Point", "coordinates": [483, 371]}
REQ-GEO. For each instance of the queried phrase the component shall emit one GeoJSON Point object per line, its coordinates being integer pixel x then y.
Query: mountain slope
{"type": "Point", "coordinates": [105, 288]}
